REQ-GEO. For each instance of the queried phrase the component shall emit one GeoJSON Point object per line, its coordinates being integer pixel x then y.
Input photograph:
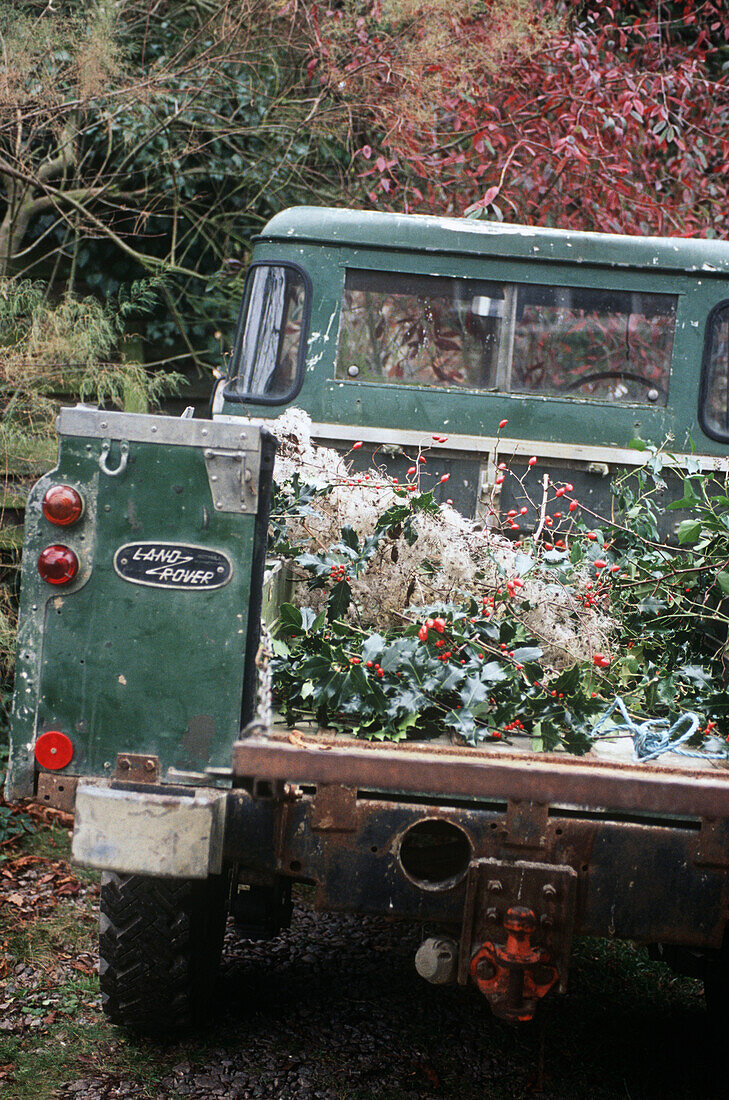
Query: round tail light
{"type": "Point", "coordinates": [57, 564]}
{"type": "Point", "coordinates": [62, 505]}
{"type": "Point", "coordinates": [53, 750]}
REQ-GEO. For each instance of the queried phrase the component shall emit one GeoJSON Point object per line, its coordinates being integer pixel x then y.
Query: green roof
{"type": "Point", "coordinates": [424, 233]}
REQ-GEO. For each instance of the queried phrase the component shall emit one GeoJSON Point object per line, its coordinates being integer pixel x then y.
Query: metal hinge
{"type": "Point", "coordinates": [134, 767]}
{"type": "Point", "coordinates": [233, 478]}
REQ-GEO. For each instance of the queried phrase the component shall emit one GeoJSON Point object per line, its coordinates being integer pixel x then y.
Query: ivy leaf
{"type": "Point", "coordinates": [722, 579]}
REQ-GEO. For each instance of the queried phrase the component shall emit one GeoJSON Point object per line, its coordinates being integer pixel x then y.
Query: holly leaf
{"type": "Point", "coordinates": [527, 653]}
{"type": "Point", "coordinates": [493, 673]}
{"type": "Point", "coordinates": [462, 721]}
{"type": "Point", "coordinates": [339, 600]}
{"type": "Point", "coordinates": [373, 648]}
{"type": "Point", "coordinates": [651, 605]}
{"type": "Point", "coordinates": [473, 692]}
{"type": "Point", "coordinates": [290, 617]}
{"type": "Point", "coordinates": [696, 674]}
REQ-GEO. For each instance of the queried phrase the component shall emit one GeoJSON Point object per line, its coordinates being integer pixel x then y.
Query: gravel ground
{"type": "Point", "coordinates": [333, 1010]}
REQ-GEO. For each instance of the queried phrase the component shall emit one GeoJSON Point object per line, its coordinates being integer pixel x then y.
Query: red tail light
{"type": "Point", "coordinates": [53, 750]}
{"type": "Point", "coordinates": [62, 505]}
{"type": "Point", "coordinates": [57, 564]}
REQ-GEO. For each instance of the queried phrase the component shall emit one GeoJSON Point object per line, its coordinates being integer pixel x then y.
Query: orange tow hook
{"type": "Point", "coordinates": [514, 977]}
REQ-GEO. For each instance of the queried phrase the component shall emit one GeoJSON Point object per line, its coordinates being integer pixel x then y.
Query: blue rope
{"type": "Point", "coordinates": [654, 736]}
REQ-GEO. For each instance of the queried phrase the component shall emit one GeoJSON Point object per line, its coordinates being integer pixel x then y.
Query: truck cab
{"type": "Point", "coordinates": [387, 328]}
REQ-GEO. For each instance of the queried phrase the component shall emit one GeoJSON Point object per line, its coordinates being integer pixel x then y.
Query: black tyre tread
{"type": "Point", "coordinates": [159, 950]}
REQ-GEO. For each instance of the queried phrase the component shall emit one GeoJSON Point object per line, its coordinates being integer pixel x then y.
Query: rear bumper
{"type": "Point", "coordinates": [137, 832]}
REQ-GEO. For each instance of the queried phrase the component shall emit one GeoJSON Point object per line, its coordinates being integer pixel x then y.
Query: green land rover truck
{"type": "Point", "coordinates": [139, 683]}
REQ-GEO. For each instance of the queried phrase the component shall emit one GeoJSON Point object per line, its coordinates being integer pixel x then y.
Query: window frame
{"type": "Point", "coordinates": [235, 396]}
{"type": "Point", "coordinates": [718, 437]}
{"type": "Point", "coordinates": [674, 294]}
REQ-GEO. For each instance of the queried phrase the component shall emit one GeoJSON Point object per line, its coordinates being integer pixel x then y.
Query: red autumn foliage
{"type": "Point", "coordinates": [608, 114]}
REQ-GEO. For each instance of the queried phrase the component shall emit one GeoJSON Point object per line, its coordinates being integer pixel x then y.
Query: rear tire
{"type": "Point", "coordinates": [159, 950]}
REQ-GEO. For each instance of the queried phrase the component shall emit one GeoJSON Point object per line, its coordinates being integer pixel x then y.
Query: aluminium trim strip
{"type": "Point", "coordinates": [90, 423]}
{"type": "Point", "coordinates": [516, 448]}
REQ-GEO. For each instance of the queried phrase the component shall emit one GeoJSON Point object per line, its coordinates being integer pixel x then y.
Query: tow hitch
{"type": "Point", "coordinates": [517, 932]}
{"type": "Point", "coordinates": [516, 976]}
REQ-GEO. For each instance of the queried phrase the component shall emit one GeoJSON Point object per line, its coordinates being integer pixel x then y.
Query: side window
{"type": "Point", "coordinates": [604, 344]}
{"type": "Point", "coordinates": [714, 410]}
{"type": "Point", "coordinates": [464, 333]}
{"type": "Point", "coordinates": [266, 362]}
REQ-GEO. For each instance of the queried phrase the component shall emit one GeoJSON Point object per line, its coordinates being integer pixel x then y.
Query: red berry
{"type": "Point", "coordinates": [445, 477]}
{"type": "Point", "coordinates": [356, 446]}
{"type": "Point", "coordinates": [423, 634]}
{"type": "Point", "coordinates": [573, 505]}
{"type": "Point", "coordinates": [532, 461]}
{"type": "Point", "coordinates": [439, 625]}
{"type": "Point", "coordinates": [503, 423]}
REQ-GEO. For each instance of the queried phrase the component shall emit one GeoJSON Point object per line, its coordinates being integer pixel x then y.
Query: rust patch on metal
{"type": "Point", "coordinates": [335, 808]}
{"type": "Point", "coordinates": [553, 781]}
{"type": "Point", "coordinates": [134, 767]}
{"type": "Point", "coordinates": [712, 846]}
{"type": "Point", "coordinates": [526, 824]}
{"type": "Point", "coordinates": [58, 791]}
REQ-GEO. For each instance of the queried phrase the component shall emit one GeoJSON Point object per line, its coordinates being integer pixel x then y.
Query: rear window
{"type": "Point", "coordinates": [418, 330]}
{"type": "Point", "coordinates": [714, 410]}
{"type": "Point", "coordinates": [268, 357]}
